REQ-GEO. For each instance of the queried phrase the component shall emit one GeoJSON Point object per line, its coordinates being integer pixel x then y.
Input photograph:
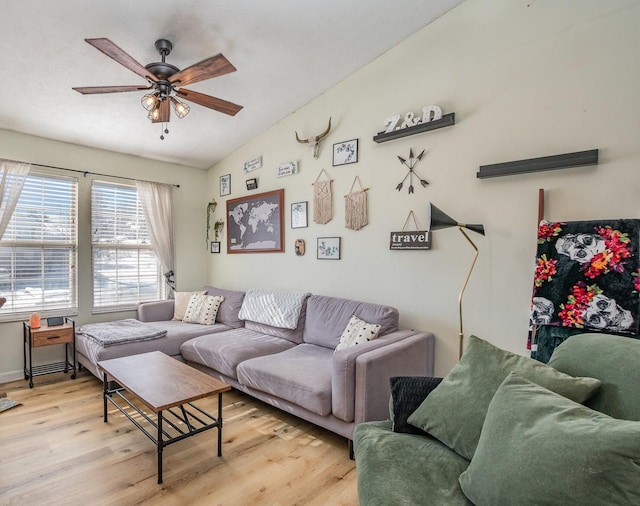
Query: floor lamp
{"type": "Point", "coordinates": [439, 220]}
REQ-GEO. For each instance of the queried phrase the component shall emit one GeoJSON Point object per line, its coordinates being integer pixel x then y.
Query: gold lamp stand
{"type": "Point", "coordinates": [439, 220]}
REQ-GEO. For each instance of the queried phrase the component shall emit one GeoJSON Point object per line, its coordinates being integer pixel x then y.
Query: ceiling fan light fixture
{"type": "Point", "coordinates": [180, 108]}
{"type": "Point", "coordinates": [154, 114]}
{"type": "Point", "coordinates": [149, 101]}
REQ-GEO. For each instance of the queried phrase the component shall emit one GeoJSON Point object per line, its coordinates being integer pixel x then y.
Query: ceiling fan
{"type": "Point", "coordinates": [166, 81]}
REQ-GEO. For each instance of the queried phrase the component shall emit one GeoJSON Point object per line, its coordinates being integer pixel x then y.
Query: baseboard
{"type": "Point", "coordinates": [6, 377]}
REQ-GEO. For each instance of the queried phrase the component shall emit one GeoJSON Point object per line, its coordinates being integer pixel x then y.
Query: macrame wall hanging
{"type": "Point", "coordinates": [322, 199]}
{"type": "Point", "coordinates": [355, 207]}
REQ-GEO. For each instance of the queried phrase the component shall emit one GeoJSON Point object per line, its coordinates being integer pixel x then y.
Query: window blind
{"type": "Point", "coordinates": [38, 251]}
{"type": "Point", "coordinates": [125, 268]}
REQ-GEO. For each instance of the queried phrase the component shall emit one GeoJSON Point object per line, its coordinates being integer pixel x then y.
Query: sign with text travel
{"type": "Point", "coordinates": [414, 240]}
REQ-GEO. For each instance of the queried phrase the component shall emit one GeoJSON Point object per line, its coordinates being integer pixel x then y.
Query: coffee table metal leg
{"type": "Point", "coordinates": [219, 425]}
{"type": "Point", "coordinates": [159, 447]}
{"type": "Point", "coordinates": [105, 387]}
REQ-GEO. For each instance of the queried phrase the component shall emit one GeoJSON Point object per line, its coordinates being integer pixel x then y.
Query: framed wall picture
{"type": "Point", "coordinates": [255, 223]}
{"type": "Point", "coordinates": [215, 247]}
{"type": "Point", "coordinates": [328, 248]}
{"type": "Point", "coordinates": [299, 215]}
{"type": "Point", "coordinates": [252, 184]}
{"type": "Point", "coordinates": [345, 152]}
{"type": "Point", "coordinates": [225, 185]}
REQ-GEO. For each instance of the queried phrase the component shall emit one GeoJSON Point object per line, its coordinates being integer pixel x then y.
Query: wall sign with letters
{"type": "Point", "coordinates": [417, 239]}
{"type": "Point", "coordinates": [410, 240]}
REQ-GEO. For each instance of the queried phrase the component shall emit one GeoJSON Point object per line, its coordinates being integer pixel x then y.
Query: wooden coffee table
{"type": "Point", "coordinates": [168, 387]}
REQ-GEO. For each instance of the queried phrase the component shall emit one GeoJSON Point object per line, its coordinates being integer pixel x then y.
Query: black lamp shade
{"type": "Point", "coordinates": [479, 229]}
{"type": "Point", "coordinates": [438, 220]}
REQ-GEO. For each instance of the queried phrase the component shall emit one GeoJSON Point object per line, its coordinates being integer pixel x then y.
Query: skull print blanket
{"type": "Point", "coordinates": [587, 277]}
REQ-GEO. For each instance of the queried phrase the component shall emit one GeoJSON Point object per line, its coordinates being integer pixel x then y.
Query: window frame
{"type": "Point", "coordinates": [71, 306]}
{"type": "Point", "coordinates": [118, 247]}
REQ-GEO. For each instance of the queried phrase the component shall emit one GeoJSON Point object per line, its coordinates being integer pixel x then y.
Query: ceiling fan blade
{"type": "Point", "coordinates": [117, 54]}
{"type": "Point", "coordinates": [164, 109]}
{"type": "Point", "coordinates": [214, 66]}
{"type": "Point", "coordinates": [217, 104]}
{"type": "Point", "coordinates": [90, 90]}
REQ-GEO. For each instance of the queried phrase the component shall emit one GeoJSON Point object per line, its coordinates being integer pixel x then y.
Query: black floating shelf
{"type": "Point", "coordinates": [578, 159]}
{"type": "Point", "coordinates": [445, 121]}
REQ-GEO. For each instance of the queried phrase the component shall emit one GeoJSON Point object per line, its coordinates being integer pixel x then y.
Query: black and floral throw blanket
{"type": "Point", "coordinates": [587, 277]}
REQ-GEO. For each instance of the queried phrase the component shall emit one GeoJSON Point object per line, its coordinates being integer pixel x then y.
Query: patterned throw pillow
{"type": "Point", "coordinates": [180, 302]}
{"type": "Point", "coordinates": [202, 309]}
{"type": "Point", "coordinates": [357, 331]}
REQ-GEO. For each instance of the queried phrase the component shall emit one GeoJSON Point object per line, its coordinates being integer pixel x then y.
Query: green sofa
{"type": "Point", "coordinates": [502, 429]}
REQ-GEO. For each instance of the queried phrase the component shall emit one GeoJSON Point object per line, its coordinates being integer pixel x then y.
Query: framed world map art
{"type": "Point", "coordinates": [255, 223]}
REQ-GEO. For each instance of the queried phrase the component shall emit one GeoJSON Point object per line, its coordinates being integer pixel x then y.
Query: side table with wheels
{"type": "Point", "coordinates": [48, 336]}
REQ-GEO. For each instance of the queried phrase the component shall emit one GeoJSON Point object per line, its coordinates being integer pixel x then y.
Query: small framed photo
{"type": "Point", "coordinates": [328, 248]}
{"type": "Point", "coordinates": [225, 185]}
{"type": "Point", "coordinates": [345, 152]}
{"type": "Point", "coordinates": [215, 247]}
{"type": "Point", "coordinates": [252, 184]}
{"type": "Point", "coordinates": [299, 215]}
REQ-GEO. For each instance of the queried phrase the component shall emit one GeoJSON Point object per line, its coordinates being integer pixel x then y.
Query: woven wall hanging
{"type": "Point", "coordinates": [355, 207]}
{"type": "Point", "coordinates": [322, 199]}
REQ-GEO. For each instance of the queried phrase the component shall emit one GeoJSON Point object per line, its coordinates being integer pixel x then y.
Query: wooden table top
{"type": "Point", "coordinates": [160, 381]}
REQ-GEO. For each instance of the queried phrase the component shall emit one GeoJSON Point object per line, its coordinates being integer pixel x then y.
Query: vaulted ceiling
{"type": "Point", "coordinates": [287, 52]}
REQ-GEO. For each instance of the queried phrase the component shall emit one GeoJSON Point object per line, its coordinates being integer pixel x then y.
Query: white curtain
{"type": "Point", "coordinates": [157, 203]}
{"type": "Point", "coordinates": [12, 178]}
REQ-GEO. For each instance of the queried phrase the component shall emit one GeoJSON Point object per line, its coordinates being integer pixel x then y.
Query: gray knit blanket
{"type": "Point", "coordinates": [120, 332]}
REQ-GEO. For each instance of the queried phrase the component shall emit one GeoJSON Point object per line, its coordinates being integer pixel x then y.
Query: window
{"type": "Point", "coordinates": [125, 268]}
{"type": "Point", "coordinates": [38, 252]}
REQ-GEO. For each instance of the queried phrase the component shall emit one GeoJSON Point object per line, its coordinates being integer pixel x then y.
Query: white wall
{"type": "Point", "coordinates": [526, 79]}
{"type": "Point", "coordinates": [189, 225]}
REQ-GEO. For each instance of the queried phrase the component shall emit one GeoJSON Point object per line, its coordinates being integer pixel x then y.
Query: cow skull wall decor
{"type": "Point", "coordinates": [315, 141]}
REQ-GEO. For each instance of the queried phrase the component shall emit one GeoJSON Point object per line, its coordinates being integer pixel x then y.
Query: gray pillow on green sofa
{"type": "Point", "coordinates": [538, 447]}
{"type": "Point", "coordinates": [454, 412]}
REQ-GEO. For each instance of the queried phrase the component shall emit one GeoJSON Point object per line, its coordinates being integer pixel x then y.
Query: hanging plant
{"type": "Point", "coordinates": [217, 229]}
{"type": "Point", "coordinates": [211, 207]}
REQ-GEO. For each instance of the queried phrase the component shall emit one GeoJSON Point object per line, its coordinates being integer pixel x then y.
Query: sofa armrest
{"type": "Point", "coordinates": [410, 357]}
{"type": "Point", "coordinates": [159, 310]}
{"type": "Point", "coordinates": [344, 367]}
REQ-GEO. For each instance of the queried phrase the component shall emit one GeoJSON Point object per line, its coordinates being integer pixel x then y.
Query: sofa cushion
{"type": "Point", "coordinates": [454, 412]}
{"type": "Point", "coordinates": [202, 309]}
{"type": "Point", "coordinates": [230, 307]}
{"type": "Point", "coordinates": [181, 301]}
{"type": "Point", "coordinates": [600, 356]}
{"type": "Point", "coordinates": [405, 468]}
{"type": "Point", "coordinates": [538, 447]}
{"type": "Point", "coordinates": [327, 317]}
{"type": "Point", "coordinates": [357, 332]}
{"type": "Point", "coordinates": [293, 335]}
{"type": "Point", "coordinates": [301, 375]}
{"type": "Point", "coordinates": [407, 393]}
{"type": "Point", "coordinates": [223, 352]}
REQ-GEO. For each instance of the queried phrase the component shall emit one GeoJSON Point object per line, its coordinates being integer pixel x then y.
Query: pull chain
{"type": "Point", "coordinates": [163, 130]}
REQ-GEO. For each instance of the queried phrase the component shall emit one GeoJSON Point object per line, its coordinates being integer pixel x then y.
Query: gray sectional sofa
{"type": "Point", "coordinates": [294, 369]}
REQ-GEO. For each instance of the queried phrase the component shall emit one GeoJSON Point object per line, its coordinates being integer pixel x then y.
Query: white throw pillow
{"type": "Point", "coordinates": [202, 309]}
{"type": "Point", "coordinates": [181, 301]}
{"type": "Point", "coordinates": [357, 331]}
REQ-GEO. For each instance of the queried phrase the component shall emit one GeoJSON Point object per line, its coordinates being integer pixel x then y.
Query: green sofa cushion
{"type": "Point", "coordinates": [601, 356]}
{"type": "Point", "coordinates": [454, 412]}
{"type": "Point", "coordinates": [538, 447]}
{"type": "Point", "coordinates": [398, 468]}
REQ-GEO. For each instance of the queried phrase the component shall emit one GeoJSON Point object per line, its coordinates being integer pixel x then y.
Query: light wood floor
{"type": "Point", "coordinates": [56, 449]}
